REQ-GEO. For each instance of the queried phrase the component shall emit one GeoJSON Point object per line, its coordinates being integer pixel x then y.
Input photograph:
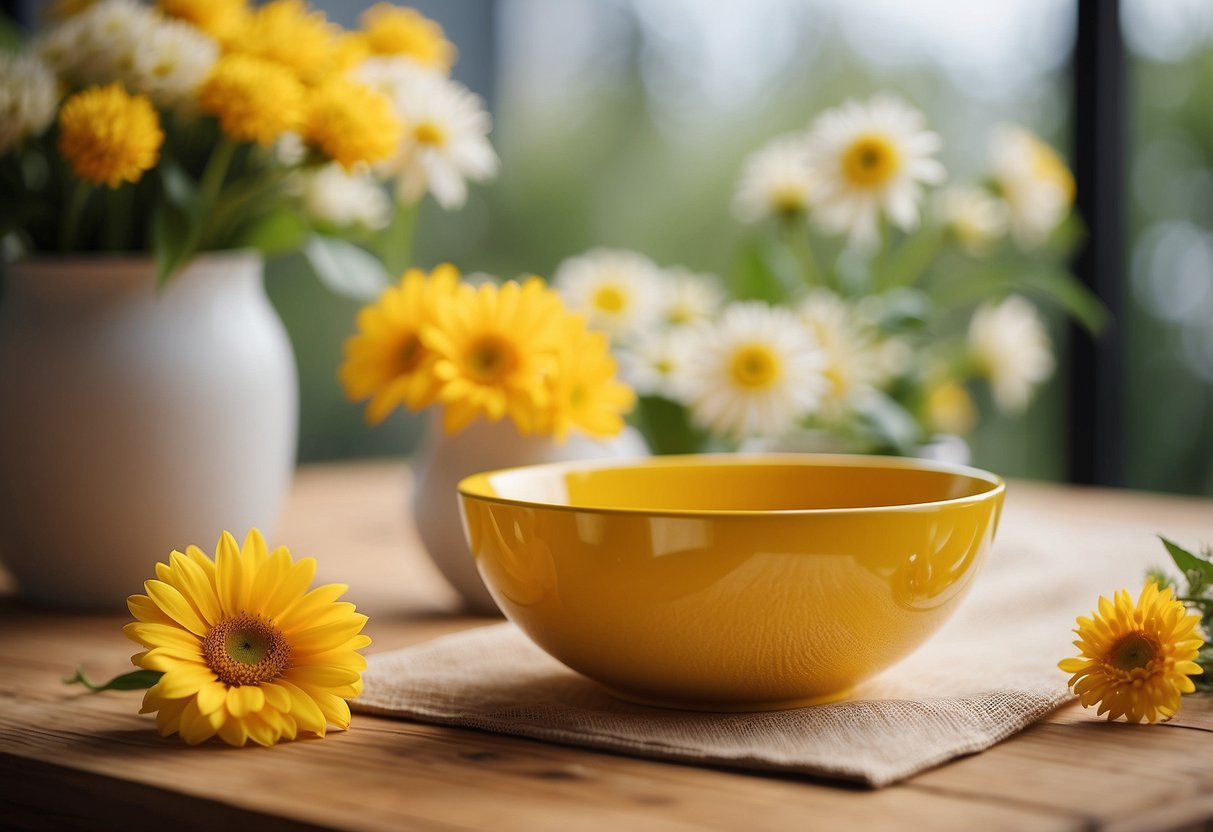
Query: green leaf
{"type": "Point", "coordinates": [1056, 284]}
{"type": "Point", "coordinates": [135, 680]}
{"type": "Point", "coordinates": [667, 426]}
{"type": "Point", "coordinates": [276, 233]}
{"type": "Point", "coordinates": [345, 268]}
{"type": "Point", "coordinates": [172, 241]}
{"type": "Point", "coordinates": [889, 423]}
{"type": "Point", "coordinates": [1189, 563]}
{"type": "Point", "coordinates": [178, 187]}
{"type": "Point", "coordinates": [765, 271]}
{"type": "Point", "coordinates": [912, 258]}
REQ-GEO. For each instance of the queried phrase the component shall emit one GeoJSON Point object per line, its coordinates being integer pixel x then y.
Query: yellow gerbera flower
{"type": "Point", "coordinates": [246, 651]}
{"type": "Point", "coordinates": [221, 19]}
{"type": "Point", "coordinates": [255, 100]}
{"type": "Point", "coordinates": [351, 123]}
{"type": "Point", "coordinates": [1135, 660]}
{"type": "Point", "coordinates": [392, 30]}
{"type": "Point", "coordinates": [584, 390]}
{"type": "Point", "coordinates": [494, 347]}
{"type": "Point", "coordinates": [387, 361]}
{"type": "Point", "coordinates": [286, 33]}
{"type": "Point", "coordinates": [109, 136]}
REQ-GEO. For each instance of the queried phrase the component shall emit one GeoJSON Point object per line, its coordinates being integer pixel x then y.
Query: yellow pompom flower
{"type": "Point", "coordinates": [351, 123]}
{"type": "Point", "coordinates": [584, 390]}
{"type": "Point", "coordinates": [109, 136]}
{"type": "Point", "coordinates": [1136, 659]}
{"type": "Point", "coordinates": [221, 19]}
{"type": "Point", "coordinates": [255, 100]}
{"type": "Point", "coordinates": [286, 33]}
{"type": "Point", "coordinates": [247, 652]}
{"type": "Point", "coordinates": [387, 361]}
{"type": "Point", "coordinates": [494, 347]}
{"type": "Point", "coordinates": [393, 30]}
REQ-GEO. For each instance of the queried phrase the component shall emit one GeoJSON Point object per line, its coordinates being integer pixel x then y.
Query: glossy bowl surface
{"type": "Point", "coordinates": [731, 582]}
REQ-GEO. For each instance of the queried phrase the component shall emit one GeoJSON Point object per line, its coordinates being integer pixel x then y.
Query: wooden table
{"type": "Point", "coordinates": [72, 760]}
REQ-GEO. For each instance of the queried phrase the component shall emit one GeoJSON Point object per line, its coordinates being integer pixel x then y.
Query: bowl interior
{"type": "Point", "coordinates": [728, 484]}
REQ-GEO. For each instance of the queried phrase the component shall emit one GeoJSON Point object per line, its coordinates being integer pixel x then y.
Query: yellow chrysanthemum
{"type": "Point", "coordinates": [109, 136]}
{"type": "Point", "coordinates": [585, 393]}
{"type": "Point", "coordinates": [351, 123]}
{"type": "Point", "coordinates": [287, 33]}
{"type": "Point", "coordinates": [247, 652]}
{"type": "Point", "coordinates": [393, 30]}
{"type": "Point", "coordinates": [221, 19]}
{"type": "Point", "coordinates": [494, 347]}
{"type": "Point", "coordinates": [387, 361]}
{"type": "Point", "coordinates": [255, 100]}
{"type": "Point", "coordinates": [1135, 660]}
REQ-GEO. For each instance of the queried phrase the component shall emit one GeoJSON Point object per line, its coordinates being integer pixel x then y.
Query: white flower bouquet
{"type": "Point", "coordinates": [865, 305]}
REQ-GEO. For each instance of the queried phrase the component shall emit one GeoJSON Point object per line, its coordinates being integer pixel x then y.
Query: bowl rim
{"type": "Point", "coordinates": [476, 486]}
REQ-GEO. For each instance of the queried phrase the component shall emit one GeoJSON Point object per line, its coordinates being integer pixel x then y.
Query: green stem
{"type": "Point", "coordinates": [396, 241]}
{"type": "Point", "coordinates": [795, 236]}
{"type": "Point", "coordinates": [117, 222]}
{"type": "Point", "coordinates": [209, 187]}
{"type": "Point", "coordinates": [70, 228]}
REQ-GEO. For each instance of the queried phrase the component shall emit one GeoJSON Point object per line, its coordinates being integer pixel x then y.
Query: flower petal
{"type": "Point", "coordinates": [170, 599]}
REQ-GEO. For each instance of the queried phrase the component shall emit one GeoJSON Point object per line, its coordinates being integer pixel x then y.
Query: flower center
{"type": "Point", "coordinates": [871, 160]}
{"type": "Point", "coordinates": [610, 299]}
{"type": "Point", "coordinates": [754, 366]}
{"type": "Point", "coordinates": [427, 132]}
{"type": "Point", "coordinates": [246, 650]}
{"type": "Point", "coordinates": [410, 353]}
{"type": "Point", "coordinates": [490, 358]}
{"type": "Point", "coordinates": [1133, 651]}
{"type": "Point", "coordinates": [789, 200]}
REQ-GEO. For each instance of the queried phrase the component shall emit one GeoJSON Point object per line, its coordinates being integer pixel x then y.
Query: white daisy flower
{"type": "Point", "coordinates": [618, 291]}
{"type": "Point", "coordinates": [100, 44]}
{"type": "Point", "coordinates": [852, 363]}
{"type": "Point", "coordinates": [446, 137]}
{"type": "Point", "coordinates": [172, 63]}
{"type": "Point", "coordinates": [975, 216]}
{"type": "Point", "coordinates": [652, 361]}
{"type": "Point", "coordinates": [1034, 180]}
{"type": "Point", "coordinates": [689, 297]}
{"type": "Point", "coordinates": [1011, 348]}
{"type": "Point", "coordinates": [867, 160]}
{"type": "Point", "coordinates": [776, 181]}
{"type": "Point", "coordinates": [344, 199]}
{"type": "Point", "coordinates": [754, 373]}
{"type": "Point", "coordinates": [28, 95]}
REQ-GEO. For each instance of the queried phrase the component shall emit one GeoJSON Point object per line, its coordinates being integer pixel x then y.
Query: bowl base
{"type": "Point", "coordinates": [727, 707]}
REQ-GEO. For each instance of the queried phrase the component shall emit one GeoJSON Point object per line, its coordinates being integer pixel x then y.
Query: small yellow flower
{"type": "Point", "coordinates": [584, 391]}
{"type": "Point", "coordinates": [286, 33]}
{"type": "Point", "coordinates": [351, 123]}
{"type": "Point", "coordinates": [386, 361]}
{"type": "Point", "coordinates": [255, 100]}
{"type": "Point", "coordinates": [393, 30]}
{"type": "Point", "coordinates": [247, 652]}
{"type": "Point", "coordinates": [495, 346]}
{"type": "Point", "coordinates": [221, 19]}
{"type": "Point", "coordinates": [1135, 660]}
{"type": "Point", "coordinates": [109, 136]}
{"type": "Point", "coordinates": [949, 408]}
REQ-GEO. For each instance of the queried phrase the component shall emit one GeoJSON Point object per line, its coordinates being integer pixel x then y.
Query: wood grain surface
{"type": "Point", "coordinates": [72, 760]}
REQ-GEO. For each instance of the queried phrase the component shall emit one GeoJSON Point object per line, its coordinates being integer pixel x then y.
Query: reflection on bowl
{"type": "Point", "coordinates": [731, 582]}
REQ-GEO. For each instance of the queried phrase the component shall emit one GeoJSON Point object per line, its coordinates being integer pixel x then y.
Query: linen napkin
{"type": "Point", "coordinates": [990, 672]}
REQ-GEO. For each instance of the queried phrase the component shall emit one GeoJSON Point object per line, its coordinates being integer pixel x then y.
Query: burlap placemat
{"type": "Point", "coordinates": [988, 674]}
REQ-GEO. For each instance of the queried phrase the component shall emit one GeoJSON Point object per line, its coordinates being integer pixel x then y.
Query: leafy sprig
{"type": "Point", "coordinates": [1197, 594]}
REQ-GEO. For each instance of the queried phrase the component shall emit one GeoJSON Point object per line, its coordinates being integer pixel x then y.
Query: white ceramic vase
{"type": "Point", "coordinates": [442, 461]}
{"type": "Point", "coordinates": [136, 421]}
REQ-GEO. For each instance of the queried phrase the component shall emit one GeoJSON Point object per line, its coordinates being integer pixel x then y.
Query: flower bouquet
{"type": "Point", "coordinates": [862, 308]}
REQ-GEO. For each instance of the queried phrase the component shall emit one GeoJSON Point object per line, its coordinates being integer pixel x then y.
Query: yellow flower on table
{"type": "Point", "coordinates": [1136, 659]}
{"type": "Point", "coordinates": [109, 136]}
{"type": "Point", "coordinates": [255, 100]}
{"type": "Point", "coordinates": [584, 391]}
{"type": "Point", "coordinates": [392, 30]}
{"type": "Point", "coordinates": [387, 361]}
{"type": "Point", "coordinates": [247, 652]}
{"type": "Point", "coordinates": [351, 123]}
{"type": "Point", "coordinates": [494, 347]}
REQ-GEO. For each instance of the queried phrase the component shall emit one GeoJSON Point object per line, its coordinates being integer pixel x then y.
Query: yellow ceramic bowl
{"type": "Point", "coordinates": [731, 582]}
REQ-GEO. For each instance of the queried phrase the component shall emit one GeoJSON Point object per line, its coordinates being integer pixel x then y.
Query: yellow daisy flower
{"type": "Point", "coordinates": [286, 33]}
{"type": "Point", "coordinates": [1135, 660]}
{"type": "Point", "coordinates": [351, 123]}
{"type": "Point", "coordinates": [109, 136]}
{"type": "Point", "coordinates": [246, 651]}
{"type": "Point", "coordinates": [392, 30]}
{"type": "Point", "coordinates": [387, 361]}
{"type": "Point", "coordinates": [255, 100]}
{"type": "Point", "coordinates": [584, 391]}
{"type": "Point", "coordinates": [494, 347]}
{"type": "Point", "coordinates": [221, 19]}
